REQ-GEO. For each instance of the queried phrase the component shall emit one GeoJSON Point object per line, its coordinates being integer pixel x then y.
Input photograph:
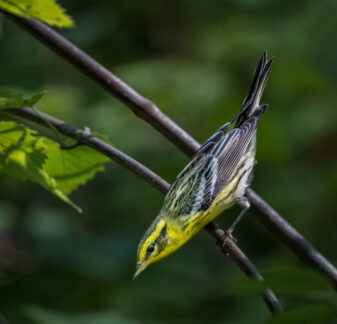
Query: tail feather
{"type": "Point", "coordinates": [252, 101]}
{"type": "Point", "coordinates": [251, 105]}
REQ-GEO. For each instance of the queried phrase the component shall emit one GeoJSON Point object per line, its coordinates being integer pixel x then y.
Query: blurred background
{"type": "Point", "coordinates": [195, 60]}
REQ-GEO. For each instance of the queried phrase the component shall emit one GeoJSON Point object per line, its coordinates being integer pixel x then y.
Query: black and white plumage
{"type": "Point", "coordinates": [219, 173]}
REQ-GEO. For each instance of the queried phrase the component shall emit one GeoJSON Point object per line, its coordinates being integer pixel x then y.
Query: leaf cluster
{"type": "Point", "coordinates": [47, 11]}
{"type": "Point", "coordinates": [26, 155]}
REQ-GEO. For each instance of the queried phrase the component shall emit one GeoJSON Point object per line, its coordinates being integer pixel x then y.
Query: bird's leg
{"type": "Point", "coordinates": [244, 203]}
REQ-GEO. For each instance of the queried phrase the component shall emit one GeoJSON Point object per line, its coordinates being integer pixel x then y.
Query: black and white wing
{"type": "Point", "coordinates": [229, 151]}
{"type": "Point", "coordinates": [211, 169]}
{"type": "Point", "coordinates": [215, 164]}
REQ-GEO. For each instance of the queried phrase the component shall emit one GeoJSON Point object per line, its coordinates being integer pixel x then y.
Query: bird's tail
{"type": "Point", "coordinates": [252, 101]}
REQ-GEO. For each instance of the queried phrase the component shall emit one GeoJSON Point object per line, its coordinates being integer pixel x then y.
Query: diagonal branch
{"type": "Point", "coordinates": [149, 112]}
{"type": "Point", "coordinates": [245, 265]}
{"type": "Point", "coordinates": [142, 107]}
{"type": "Point", "coordinates": [227, 244]}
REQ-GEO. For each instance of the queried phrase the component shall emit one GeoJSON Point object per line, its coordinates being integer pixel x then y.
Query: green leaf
{"type": "Point", "coordinates": [38, 159]}
{"type": "Point", "coordinates": [9, 99]}
{"type": "Point", "coordinates": [45, 10]}
{"type": "Point", "coordinates": [307, 314]}
{"type": "Point", "coordinates": [34, 99]}
{"type": "Point", "coordinates": [22, 156]}
{"type": "Point", "coordinates": [71, 168]}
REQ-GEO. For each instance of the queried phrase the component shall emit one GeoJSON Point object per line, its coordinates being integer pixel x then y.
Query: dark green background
{"type": "Point", "coordinates": [195, 60]}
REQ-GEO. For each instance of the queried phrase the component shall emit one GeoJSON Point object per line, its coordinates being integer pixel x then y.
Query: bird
{"type": "Point", "coordinates": [214, 180]}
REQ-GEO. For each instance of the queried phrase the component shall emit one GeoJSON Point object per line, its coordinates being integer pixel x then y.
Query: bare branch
{"type": "Point", "coordinates": [149, 112]}
{"type": "Point", "coordinates": [229, 247]}
{"type": "Point", "coordinates": [291, 237]}
{"type": "Point", "coordinates": [141, 106]}
{"type": "Point", "coordinates": [227, 244]}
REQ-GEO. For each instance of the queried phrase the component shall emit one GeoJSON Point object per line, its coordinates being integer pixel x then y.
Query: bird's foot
{"type": "Point", "coordinates": [223, 239]}
{"type": "Point", "coordinates": [229, 235]}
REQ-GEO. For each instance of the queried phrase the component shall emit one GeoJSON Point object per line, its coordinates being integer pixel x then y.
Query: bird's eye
{"type": "Point", "coordinates": [150, 248]}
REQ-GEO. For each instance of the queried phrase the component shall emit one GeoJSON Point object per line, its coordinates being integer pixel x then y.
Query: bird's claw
{"type": "Point", "coordinates": [222, 240]}
{"type": "Point", "coordinates": [229, 235]}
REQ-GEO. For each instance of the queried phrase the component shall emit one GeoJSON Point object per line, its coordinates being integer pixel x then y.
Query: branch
{"type": "Point", "coordinates": [141, 106]}
{"type": "Point", "coordinates": [227, 244]}
{"type": "Point", "coordinates": [149, 112]}
{"type": "Point", "coordinates": [229, 247]}
{"type": "Point", "coordinates": [291, 237]}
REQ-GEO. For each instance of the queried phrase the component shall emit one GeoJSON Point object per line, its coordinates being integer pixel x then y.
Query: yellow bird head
{"type": "Point", "coordinates": [159, 240]}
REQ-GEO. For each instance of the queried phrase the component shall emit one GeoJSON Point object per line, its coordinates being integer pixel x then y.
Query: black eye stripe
{"type": "Point", "coordinates": [163, 231]}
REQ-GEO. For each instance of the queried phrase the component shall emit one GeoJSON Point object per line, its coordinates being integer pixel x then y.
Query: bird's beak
{"type": "Point", "coordinates": [139, 268]}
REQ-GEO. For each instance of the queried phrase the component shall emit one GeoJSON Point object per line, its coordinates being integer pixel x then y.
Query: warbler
{"type": "Point", "coordinates": [214, 180]}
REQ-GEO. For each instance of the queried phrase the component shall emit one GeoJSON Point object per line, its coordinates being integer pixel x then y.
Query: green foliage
{"type": "Point", "coordinates": [9, 99]}
{"type": "Point", "coordinates": [71, 168]}
{"type": "Point", "coordinates": [47, 11]}
{"type": "Point", "coordinates": [40, 160]}
{"type": "Point", "coordinates": [23, 156]}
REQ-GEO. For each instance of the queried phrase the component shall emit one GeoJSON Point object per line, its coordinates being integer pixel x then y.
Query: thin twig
{"type": "Point", "coordinates": [149, 112]}
{"type": "Point", "coordinates": [229, 247]}
{"type": "Point", "coordinates": [96, 143]}
{"type": "Point", "coordinates": [153, 179]}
